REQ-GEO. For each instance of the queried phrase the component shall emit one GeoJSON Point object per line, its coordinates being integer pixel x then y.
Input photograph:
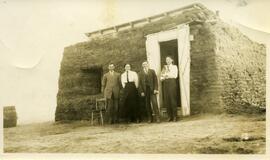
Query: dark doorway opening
{"type": "Point", "coordinates": [170, 48]}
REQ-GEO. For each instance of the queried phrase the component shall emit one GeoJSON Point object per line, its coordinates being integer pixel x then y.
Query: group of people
{"type": "Point", "coordinates": [143, 85]}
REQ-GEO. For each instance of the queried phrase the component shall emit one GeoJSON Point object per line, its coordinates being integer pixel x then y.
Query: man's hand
{"type": "Point", "coordinates": [156, 92]}
{"type": "Point", "coordinates": [142, 94]}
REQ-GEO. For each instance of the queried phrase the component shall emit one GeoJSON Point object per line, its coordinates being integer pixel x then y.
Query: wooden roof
{"type": "Point", "coordinates": [141, 22]}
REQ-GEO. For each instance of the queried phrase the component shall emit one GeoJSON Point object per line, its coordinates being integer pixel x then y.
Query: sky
{"type": "Point", "coordinates": [33, 35]}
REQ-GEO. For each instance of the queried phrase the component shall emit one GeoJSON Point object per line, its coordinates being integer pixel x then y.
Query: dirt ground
{"type": "Point", "coordinates": [212, 134]}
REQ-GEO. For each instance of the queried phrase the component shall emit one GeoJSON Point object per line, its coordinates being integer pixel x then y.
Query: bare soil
{"type": "Point", "coordinates": [211, 134]}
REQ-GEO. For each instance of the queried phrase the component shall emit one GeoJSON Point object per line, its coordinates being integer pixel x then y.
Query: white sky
{"type": "Point", "coordinates": [33, 35]}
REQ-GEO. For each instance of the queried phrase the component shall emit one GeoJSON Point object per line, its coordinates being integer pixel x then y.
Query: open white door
{"type": "Point", "coordinates": [153, 57]}
{"type": "Point", "coordinates": [184, 68]}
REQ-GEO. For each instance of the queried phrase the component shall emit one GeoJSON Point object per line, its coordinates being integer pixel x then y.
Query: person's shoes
{"type": "Point", "coordinates": [169, 120]}
{"type": "Point", "coordinates": [111, 122]}
{"type": "Point", "coordinates": [149, 120]}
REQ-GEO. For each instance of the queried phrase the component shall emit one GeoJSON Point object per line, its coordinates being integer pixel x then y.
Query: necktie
{"type": "Point", "coordinates": [127, 77]}
{"type": "Point", "coordinates": [168, 68]}
{"type": "Point", "coordinates": [145, 71]}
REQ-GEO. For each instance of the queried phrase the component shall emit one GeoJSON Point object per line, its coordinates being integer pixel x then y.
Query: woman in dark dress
{"type": "Point", "coordinates": [129, 80]}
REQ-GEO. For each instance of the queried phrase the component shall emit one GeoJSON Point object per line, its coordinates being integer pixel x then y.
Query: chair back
{"type": "Point", "coordinates": [101, 104]}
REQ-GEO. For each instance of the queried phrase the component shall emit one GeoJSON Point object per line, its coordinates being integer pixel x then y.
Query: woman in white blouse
{"type": "Point", "coordinates": [168, 76]}
{"type": "Point", "coordinates": [129, 80]}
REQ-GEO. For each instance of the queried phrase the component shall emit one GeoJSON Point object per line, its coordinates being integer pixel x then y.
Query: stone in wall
{"type": "Point", "coordinates": [242, 64]}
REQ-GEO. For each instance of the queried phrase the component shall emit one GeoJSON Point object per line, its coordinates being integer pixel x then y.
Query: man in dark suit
{"type": "Point", "coordinates": [111, 83]}
{"type": "Point", "coordinates": [148, 88]}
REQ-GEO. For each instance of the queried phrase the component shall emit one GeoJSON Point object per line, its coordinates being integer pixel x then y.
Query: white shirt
{"type": "Point", "coordinates": [132, 77]}
{"type": "Point", "coordinates": [169, 71]}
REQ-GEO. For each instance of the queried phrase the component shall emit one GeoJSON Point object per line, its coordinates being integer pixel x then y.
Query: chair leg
{"type": "Point", "coordinates": [92, 118]}
{"type": "Point", "coordinates": [101, 117]}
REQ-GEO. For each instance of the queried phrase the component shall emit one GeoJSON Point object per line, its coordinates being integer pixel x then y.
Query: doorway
{"type": "Point", "coordinates": [170, 48]}
{"type": "Point", "coordinates": [174, 43]}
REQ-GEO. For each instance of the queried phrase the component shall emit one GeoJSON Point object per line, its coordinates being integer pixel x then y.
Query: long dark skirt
{"type": "Point", "coordinates": [170, 97]}
{"type": "Point", "coordinates": [131, 108]}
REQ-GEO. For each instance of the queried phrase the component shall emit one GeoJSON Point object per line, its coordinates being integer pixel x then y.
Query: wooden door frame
{"type": "Point", "coordinates": [153, 57]}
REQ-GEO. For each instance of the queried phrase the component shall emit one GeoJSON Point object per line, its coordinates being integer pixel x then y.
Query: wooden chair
{"type": "Point", "coordinates": [97, 112]}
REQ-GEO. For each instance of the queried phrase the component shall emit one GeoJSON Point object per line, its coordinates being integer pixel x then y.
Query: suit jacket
{"type": "Point", "coordinates": [153, 83]}
{"type": "Point", "coordinates": [111, 85]}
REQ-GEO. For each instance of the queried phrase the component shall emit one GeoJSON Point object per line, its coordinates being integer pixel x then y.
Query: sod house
{"type": "Point", "coordinates": [220, 69]}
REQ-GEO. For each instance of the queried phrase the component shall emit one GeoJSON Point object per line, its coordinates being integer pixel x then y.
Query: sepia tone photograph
{"type": "Point", "coordinates": [134, 77]}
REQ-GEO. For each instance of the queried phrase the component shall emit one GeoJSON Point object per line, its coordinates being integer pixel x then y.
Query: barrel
{"type": "Point", "coordinates": [10, 116]}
